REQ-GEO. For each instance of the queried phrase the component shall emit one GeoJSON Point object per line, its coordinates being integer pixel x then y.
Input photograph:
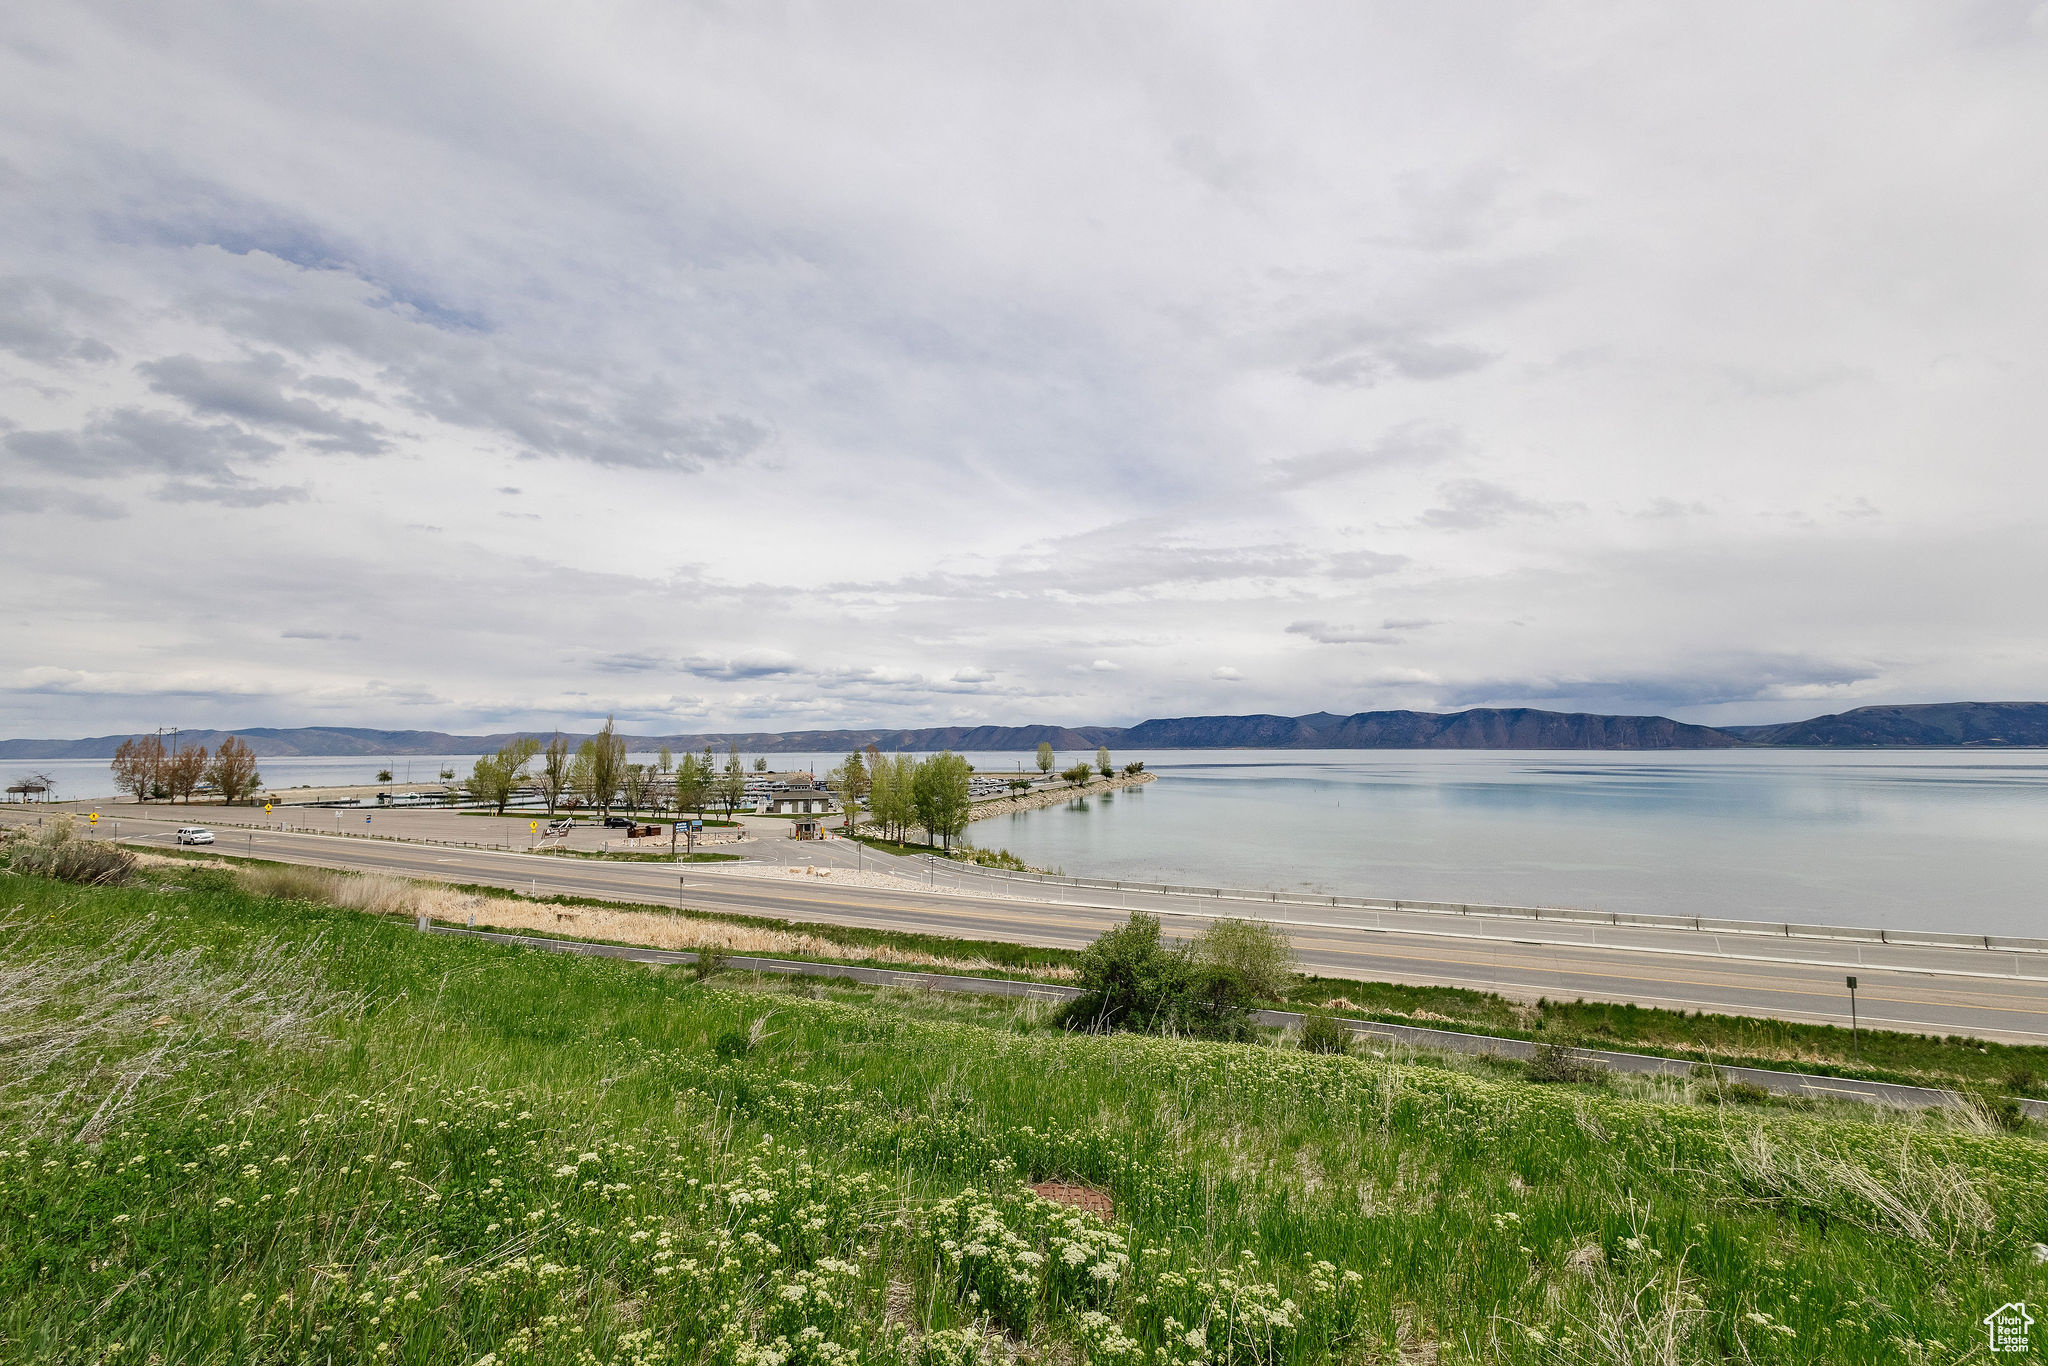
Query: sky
{"type": "Point", "coordinates": [474, 367]}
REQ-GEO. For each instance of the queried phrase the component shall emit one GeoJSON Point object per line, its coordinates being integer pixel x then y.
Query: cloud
{"type": "Point", "coordinates": [1364, 367]}
{"type": "Point", "coordinates": [1226, 674]}
{"type": "Point", "coordinates": [632, 663]}
{"type": "Point", "coordinates": [36, 322]}
{"type": "Point", "coordinates": [751, 665]}
{"type": "Point", "coordinates": [302, 633]}
{"type": "Point", "coordinates": [872, 411]}
{"type": "Point", "coordinates": [253, 391]}
{"type": "Point", "coordinates": [18, 500]}
{"type": "Point", "coordinates": [1474, 504]}
{"type": "Point", "coordinates": [1409, 446]}
{"type": "Point", "coordinates": [129, 441]}
{"type": "Point", "coordinates": [1323, 633]}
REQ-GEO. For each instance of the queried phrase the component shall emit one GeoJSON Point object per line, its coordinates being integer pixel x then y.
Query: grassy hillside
{"type": "Point", "coordinates": [238, 1128]}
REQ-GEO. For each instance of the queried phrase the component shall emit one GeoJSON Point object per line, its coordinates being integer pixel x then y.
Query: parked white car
{"type": "Point", "coordinates": [194, 834]}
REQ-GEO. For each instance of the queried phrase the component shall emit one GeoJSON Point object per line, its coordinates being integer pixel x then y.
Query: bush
{"type": "Point", "coordinates": [1078, 775]}
{"type": "Point", "coordinates": [57, 850]}
{"type": "Point", "coordinates": [1321, 1033]}
{"type": "Point", "coordinates": [1554, 1062]}
{"type": "Point", "coordinates": [1259, 954]}
{"type": "Point", "coordinates": [1131, 980]}
{"type": "Point", "coordinates": [2002, 1111]}
{"type": "Point", "coordinates": [2023, 1081]}
{"type": "Point", "coordinates": [711, 960]}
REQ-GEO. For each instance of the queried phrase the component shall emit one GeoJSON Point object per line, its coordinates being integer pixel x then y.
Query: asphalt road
{"type": "Point", "coordinates": [1952, 991]}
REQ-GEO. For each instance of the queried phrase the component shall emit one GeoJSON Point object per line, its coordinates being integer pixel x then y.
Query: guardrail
{"type": "Point", "coordinates": [1554, 914]}
{"type": "Point", "coordinates": [1415, 1036]}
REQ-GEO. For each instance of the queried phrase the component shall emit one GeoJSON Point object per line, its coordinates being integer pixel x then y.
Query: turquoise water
{"type": "Point", "coordinates": [1953, 840]}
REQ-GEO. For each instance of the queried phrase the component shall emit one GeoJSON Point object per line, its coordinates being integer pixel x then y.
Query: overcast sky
{"type": "Point", "coordinates": [740, 366]}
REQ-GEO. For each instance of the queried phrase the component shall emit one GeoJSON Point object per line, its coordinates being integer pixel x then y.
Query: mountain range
{"type": "Point", "coordinates": [1988, 725]}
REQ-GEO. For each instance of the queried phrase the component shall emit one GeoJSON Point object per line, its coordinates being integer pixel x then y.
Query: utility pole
{"type": "Point", "coordinates": [1855, 1046]}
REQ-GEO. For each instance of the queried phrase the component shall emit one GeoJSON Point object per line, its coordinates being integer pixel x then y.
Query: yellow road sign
{"type": "Point", "coordinates": [93, 819]}
{"type": "Point", "coordinates": [266, 808]}
{"type": "Point", "coordinates": [533, 827]}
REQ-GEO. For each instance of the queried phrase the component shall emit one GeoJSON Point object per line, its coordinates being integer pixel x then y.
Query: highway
{"type": "Point", "coordinates": [1988, 994]}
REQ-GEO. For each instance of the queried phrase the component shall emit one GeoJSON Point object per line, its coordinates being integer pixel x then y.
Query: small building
{"type": "Point", "coordinates": [806, 828]}
{"type": "Point", "coordinates": [28, 790]}
{"type": "Point", "coordinates": [803, 801]}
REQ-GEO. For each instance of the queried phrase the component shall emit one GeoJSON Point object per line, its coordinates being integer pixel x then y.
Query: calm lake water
{"type": "Point", "coordinates": [1940, 839]}
{"type": "Point", "coordinates": [1953, 840]}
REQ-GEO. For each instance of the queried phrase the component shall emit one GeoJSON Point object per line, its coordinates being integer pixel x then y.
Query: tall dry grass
{"type": "Point", "coordinates": [86, 1034]}
{"type": "Point", "coordinates": [378, 894]}
{"type": "Point", "coordinates": [57, 849]}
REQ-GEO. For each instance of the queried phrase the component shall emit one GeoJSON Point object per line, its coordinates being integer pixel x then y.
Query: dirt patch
{"type": "Point", "coordinates": [1096, 1202]}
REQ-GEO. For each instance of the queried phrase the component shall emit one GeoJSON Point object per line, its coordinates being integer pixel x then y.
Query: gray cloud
{"type": "Point", "coordinates": [890, 411]}
{"type": "Point", "coordinates": [253, 391]}
{"type": "Point", "coordinates": [18, 500]}
{"type": "Point", "coordinates": [1409, 446]}
{"type": "Point", "coordinates": [129, 441]}
{"type": "Point", "coordinates": [37, 322]}
{"type": "Point", "coordinates": [1323, 633]}
{"type": "Point", "coordinates": [1471, 504]}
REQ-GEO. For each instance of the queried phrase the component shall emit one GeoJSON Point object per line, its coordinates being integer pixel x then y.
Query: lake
{"type": "Point", "coordinates": [1945, 839]}
{"type": "Point", "coordinates": [1922, 839]}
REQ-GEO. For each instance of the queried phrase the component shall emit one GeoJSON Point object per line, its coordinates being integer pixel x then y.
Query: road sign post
{"type": "Point", "coordinates": [1855, 1048]}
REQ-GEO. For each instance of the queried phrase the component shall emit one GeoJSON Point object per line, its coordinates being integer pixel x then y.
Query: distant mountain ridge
{"type": "Point", "coordinates": [1962, 724]}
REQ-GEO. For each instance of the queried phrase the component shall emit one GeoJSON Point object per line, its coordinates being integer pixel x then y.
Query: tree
{"type": "Point", "coordinates": [605, 768]}
{"type": "Point", "coordinates": [139, 766]}
{"type": "Point", "coordinates": [183, 771]}
{"type": "Point", "coordinates": [1134, 767]}
{"type": "Point", "coordinates": [891, 794]}
{"type": "Point", "coordinates": [850, 782]}
{"type": "Point", "coordinates": [447, 775]}
{"type": "Point", "coordinates": [732, 784]}
{"type": "Point", "coordinates": [555, 762]}
{"type": "Point", "coordinates": [939, 791]}
{"type": "Point", "coordinates": [1077, 775]}
{"type": "Point", "coordinates": [1102, 763]}
{"type": "Point", "coordinates": [383, 775]}
{"type": "Point", "coordinates": [1045, 756]}
{"type": "Point", "coordinates": [761, 763]}
{"type": "Point", "coordinates": [693, 786]}
{"type": "Point", "coordinates": [635, 786]}
{"type": "Point", "coordinates": [233, 771]}
{"type": "Point", "coordinates": [497, 776]}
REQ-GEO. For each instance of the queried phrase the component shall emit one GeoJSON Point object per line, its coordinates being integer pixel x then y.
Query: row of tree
{"type": "Point", "coordinates": [596, 774]}
{"type": "Point", "coordinates": [932, 794]}
{"type": "Point", "coordinates": [144, 769]}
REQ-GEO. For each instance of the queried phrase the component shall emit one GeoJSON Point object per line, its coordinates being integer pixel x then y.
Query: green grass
{"type": "Point", "coordinates": [414, 1148]}
{"type": "Point", "coordinates": [1959, 1061]}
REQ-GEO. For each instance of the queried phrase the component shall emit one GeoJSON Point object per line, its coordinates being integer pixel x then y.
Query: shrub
{"type": "Point", "coordinates": [710, 962]}
{"type": "Point", "coordinates": [2023, 1081]}
{"type": "Point", "coordinates": [1321, 1033]}
{"type": "Point", "coordinates": [1078, 775]}
{"type": "Point", "coordinates": [1130, 979]}
{"type": "Point", "coordinates": [1259, 954]}
{"type": "Point", "coordinates": [1554, 1062]}
{"type": "Point", "coordinates": [57, 850]}
{"type": "Point", "coordinates": [2002, 1111]}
